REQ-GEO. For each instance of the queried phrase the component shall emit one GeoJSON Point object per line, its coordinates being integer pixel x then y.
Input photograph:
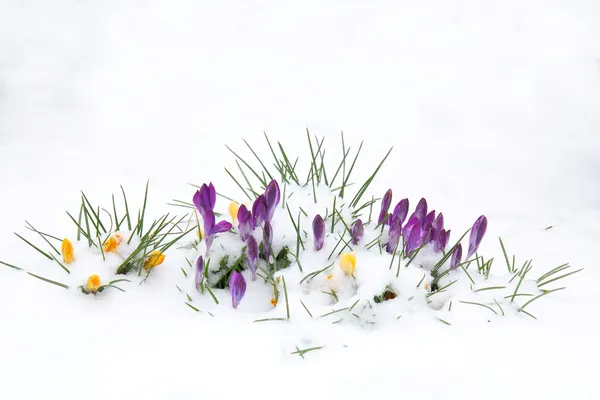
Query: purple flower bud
{"type": "Point", "coordinates": [401, 210]}
{"type": "Point", "coordinates": [477, 233]}
{"type": "Point", "coordinates": [394, 235]}
{"type": "Point", "coordinates": [267, 240]}
{"type": "Point", "coordinates": [272, 197]}
{"type": "Point", "coordinates": [319, 231]}
{"type": "Point", "coordinates": [259, 210]}
{"type": "Point", "coordinates": [211, 229]}
{"type": "Point", "coordinates": [437, 226]}
{"type": "Point", "coordinates": [440, 241]}
{"type": "Point", "coordinates": [358, 230]}
{"type": "Point", "coordinates": [237, 288]}
{"type": "Point", "coordinates": [252, 254]}
{"type": "Point", "coordinates": [205, 198]}
{"type": "Point", "coordinates": [198, 272]}
{"type": "Point", "coordinates": [428, 220]}
{"type": "Point", "coordinates": [413, 235]}
{"type": "Point", "coordinates": [385, 206]}
{"type": "Point", "coordinates": [245, 222]}
{"type": "Point", "coordinates": [456, 256]}
{"type": "Point", "coordinates": [420, 210]}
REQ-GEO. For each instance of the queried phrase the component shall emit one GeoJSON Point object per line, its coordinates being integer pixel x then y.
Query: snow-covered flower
{"type": "Point", "coordinates": [198, 272]}
{"type": "Point", "coordinates": [401, 210]}
{"type": "Point", "coordinates": [456, 256]}
{"type": "Point", "coordinates": [394, 235]}
{"type": "Point", "coordinates": [233, 211]}
{"type": "Point", "coordinates": [420, 211]}
{"type": "Point", "coordinates": [385, 206]}
{"type": "Point", "coordinates": [205, 200]}
{"type": "Point", "coordinates": [412, 234]}
{"type": "Point", "coordinates": [252, 254]}
{"type": "Point", "coordinates": [272, 198]}
{"type": "Point", "coordinates": [67, 251]}
{"type": "Point", "coordinates": [348, 263]}
{"type": "Point", "coordinates": [267, 240]}
{"type": "Point", "coordinates": [155, 258]}
{"type": "Point", "coordinates": [111, 245]}
{"type": "Point", "coordinates": [318, 226]}
{"type": "Point", "coordinates": [477, 233]}
{"type": "Point", "coordinates": [245, 222]}
{"type": "Point", "coordinates": [237, 288]}
{"type": "Point", "coordinates": [93, 283]}
{"type": "Point", "coordinates": [357, 232]}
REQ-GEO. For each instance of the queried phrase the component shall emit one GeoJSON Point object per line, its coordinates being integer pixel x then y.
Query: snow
{"type": "Point", "coordinates": [492, 108]}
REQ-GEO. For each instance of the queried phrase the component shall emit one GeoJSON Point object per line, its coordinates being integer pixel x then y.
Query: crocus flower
{"type": "Point", "coordinates": [111, 245]}
{"type": "Point", "coordinates": [233, 211]}
{"type": "Point", "coordinates": [428, 221]}
{"type": "Point", "coordinates": [456, 256]}
{"type": "Point", "coordinates": [155, 258]}
{"type": "Point", "coordinates": [198, 272]}
{"type": "Point", "coordinates": [205, 198]}
{"type": "Point", "coordinates": [348, 263]}
{"type": "Point", "coordinates": [259, 210]}
{"type": "Point", "coordinates": [394, 235]}
{"type": "Point", "coordinates": [272, 197]}
{"type": "Point", "coordinates": [245, 222]}
{"type": "Point", "coordinates": [420, 210]}
{"type": "Point", "coordinates": [437, 226]}
{"type": "Point", "coordinates": [237, 288]}
{"type": "Point", "coordinates": [267, 240]}
{"type": "Point", "coordinates": [319, 231]}
{"type": "Point", "coordinates": [252, 254]}
{"type": "Point", "coordinates": [358, 230]}
{"type": "Point", "coordinates": [413, 235]}
{"type": "Point", "coordinates": [211, 229]}
{"type": "Point", "coordinates": [477, 233]}
{"type": "Point", "coordinates": [385, 205]}
{"type": "Point", "coordinates": [441, 241]}
{"type": "Point", "coordinates": [93, 284]}
{"type": "Point", "coordinates": [67, 251]}
{"type": "Point", "coordinates": [401, 210]}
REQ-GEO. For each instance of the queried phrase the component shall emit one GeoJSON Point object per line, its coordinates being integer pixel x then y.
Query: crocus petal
{"type": "Point", "coordinates": [358, 230]}
{"type": "Point", "coordinates": [447, 238]}
{"type": "Point", "coordinates": [456, 256]}
{"type": "Point", "coordinates": [259, 210]}
{"type": "Point", "coordinates": [420, 210]}
{"type": "Point", "coordinates": [272, 198]}
{"type": "Point", "coordinates": [233, 211]}
{"type": "Point", "coordinates": [319, 231]}
{"type": "Point", "coordinates": [385, 206]}
{"type": "Point", "coordinates": [111, 245]}
{"type": "Point", "coordinates": [155, 258]}
{"type": "Point", "coordinates": [222, 226]}
{"type": "Point", "coordinates": [437, 226]}
{"type": "Point", "coordinates": [415, 239]}
{"type": "Point", "coordinates": [237, 288]}
{"type": "Point", "coordinates": [401, 210]}
{"type": "Point", "coordinates": [245, 222]}
{"type": "Point", "coordinates": [428, 220]}
{"type": "Point", "coordinates": [410, 225]}
{"type": "Point", "coordinates": [93, 283]}
{"type": "Point", "coordinates": [348, 263]}
{"type": "Point", "coordinates": [208, 196]}
{"type": "Point", "coordinates": [439, 243]}
{"type": "Point", "coordinates": [67, 251]}
{"type": "Point", "coordinates": [209, 223]}
{"type": "Point", "coordinates": [252, 254]}
{"type": "Point", "coordinates": [197, 202]}
{"type": "Point", "coordinates": [394, 235]}
{"type": "Point", "coordinates": [477, 233]}
{"type": "Point", "coordinates": [198, 272]}
{"type": "Point", "coordinates": [267, 239]}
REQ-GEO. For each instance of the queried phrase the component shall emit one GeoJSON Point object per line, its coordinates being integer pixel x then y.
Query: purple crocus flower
{"type": "Point", "coordinates": [456, 256]}
{"type": "Point", "coordinates": [272, 197]}
{"type": "Point", "coordinates": [477, 233]}
{"type": "Point", "coordinates": [401, 210]}
{"type": "Point", "coordinates": [267, 239]}
{"type": "Point", "coordinates": [440, 241]}
{"type": "Point", "coordinates": [252, 254]}
{"type": "Point", "coordinates": [394, 235]}
{"type": "Point", "coordinates": [245, 222]}
{"type": "Point", "coordinates": [259, 210]}
{"type": "Point", "coordinates": [413, 235]}
{"type": "Point", "coordinates": [319, 231]}
{"type": "Point", "coordinates": [205, 198]}
{"type": "Point", "coordinates": [211, 229]}
{"type": "Point", "coordinates": [437, 226]}
{"type": "Point", "coordinates": [358, 230]}
{"type": "Point", "coordinates": [428, 221]}
{"type": "Point", "coordinates": [237, 288]}
{"type": "Point", "coordinates": [198, 272]}
{"type": "Point", "coordinates": [385, 206]}
{"type": "Point", "coordinates": [420, 210]}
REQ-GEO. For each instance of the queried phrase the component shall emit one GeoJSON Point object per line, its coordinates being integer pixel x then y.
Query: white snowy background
{"type": "Point", "coordinates": [492, 108]}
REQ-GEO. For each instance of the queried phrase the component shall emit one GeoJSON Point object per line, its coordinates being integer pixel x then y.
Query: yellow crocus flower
{"type": "Point", "coordinates": [155, 258]}
{"type": "Point", "coordinates": [93, 283]}
{"type": "Point", "coordinates": [273, 302]}
{"type": "Point", "coordinates": [329, 277]}
{"type": "Point", "coordinates": [67, 251]}
{"type": "Point", "coordinates": [111, 245]}
{"type": "Point", "coordinates": [233, 211]}
{"type": "Point", "coordinates": [348, 263]}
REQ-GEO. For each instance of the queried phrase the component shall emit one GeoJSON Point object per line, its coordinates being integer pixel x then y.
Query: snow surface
{"type": "Point", "coordinates": [492, 108]}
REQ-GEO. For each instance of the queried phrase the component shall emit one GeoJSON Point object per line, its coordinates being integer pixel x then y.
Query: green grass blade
{"type": "Point", "coordinates": [126, 209]}
{"type": "Point", "coordinates": [62, 285]}
{"type": "Point", "coordinates": [11, 266]}
{"type": "Point", "coordinates": [34, 246]}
